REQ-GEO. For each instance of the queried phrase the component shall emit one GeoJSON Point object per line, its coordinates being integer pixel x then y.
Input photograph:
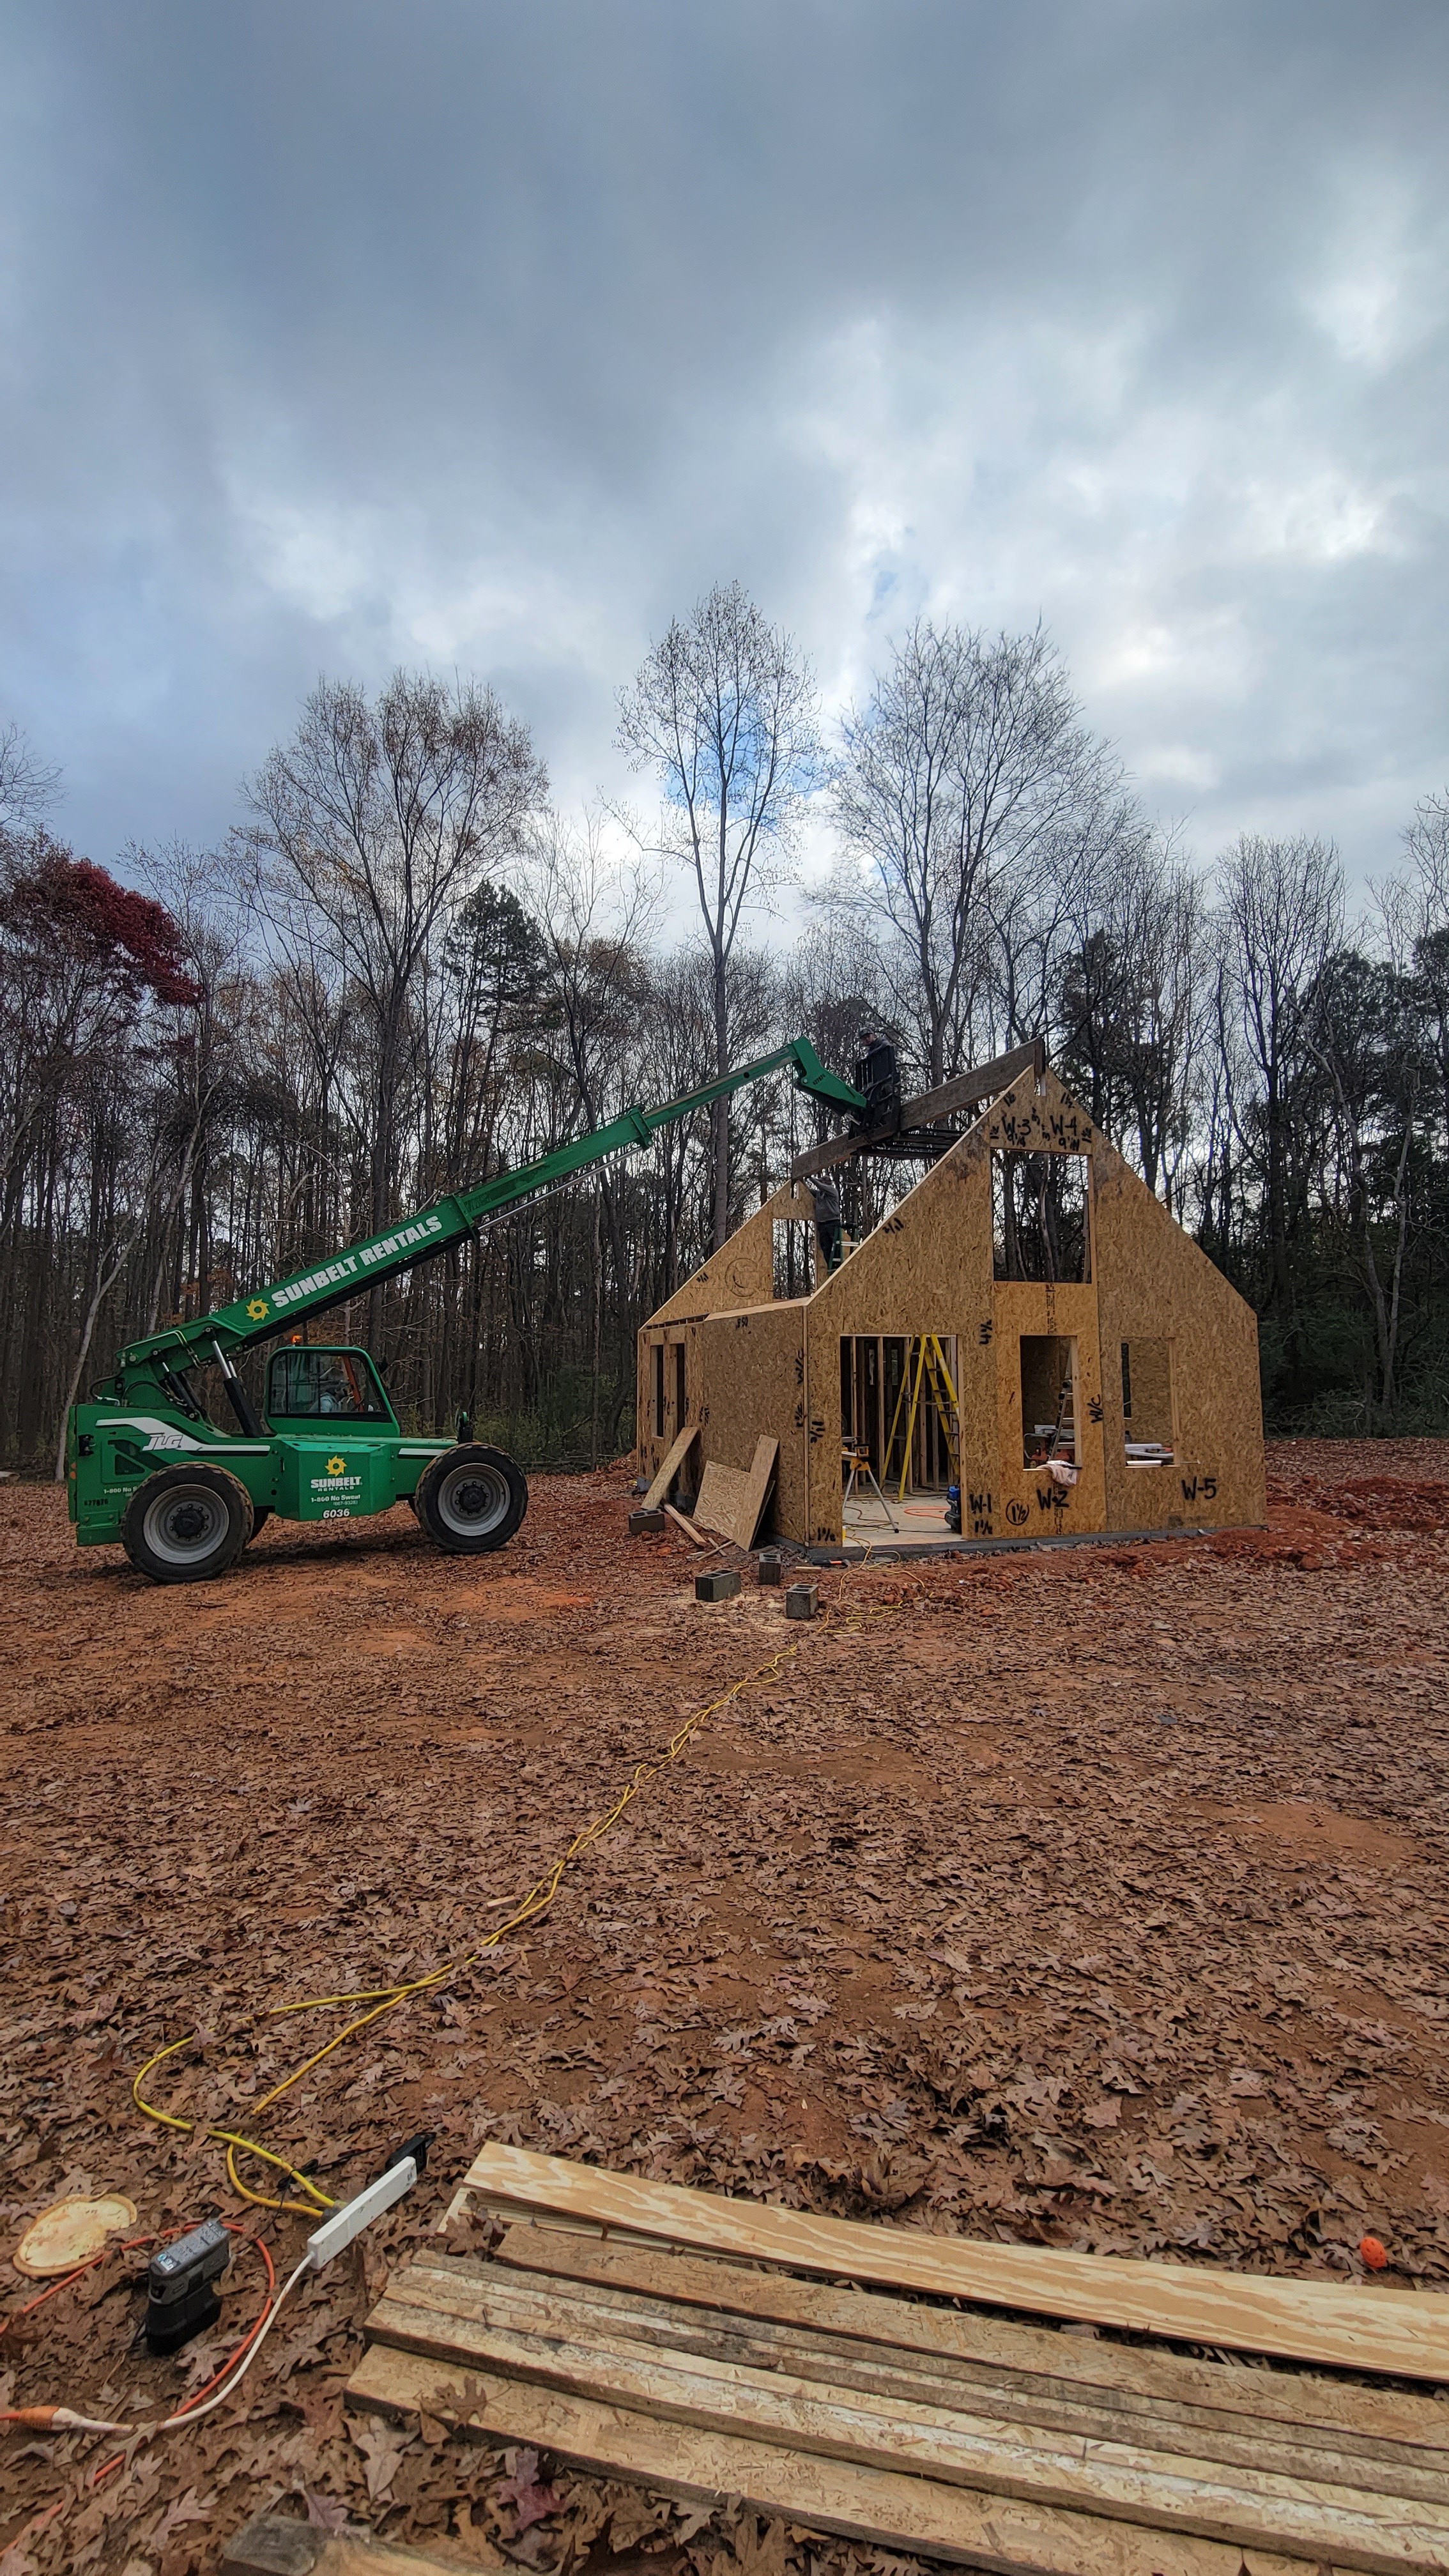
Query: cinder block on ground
{"type": "Point", "coordinates": [802, 1600]}
{"type": "Point", "coordinates": [646, 1524]}
{"type": "Point", "coordinates": [716, 1587]}
{"type": "Point", "coordinates": [772, 1565]}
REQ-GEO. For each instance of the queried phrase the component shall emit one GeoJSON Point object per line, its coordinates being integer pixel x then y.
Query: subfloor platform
{"type": "Point", "coordinates": [920, 1517]}
{"type": "Point", "coordinates": [866, 1541]}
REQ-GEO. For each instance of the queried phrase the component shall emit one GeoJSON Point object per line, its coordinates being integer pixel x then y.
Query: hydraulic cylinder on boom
{"type": "Point", "coordinates": [147, 1466]}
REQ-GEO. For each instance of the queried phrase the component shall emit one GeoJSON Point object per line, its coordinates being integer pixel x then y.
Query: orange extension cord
{"type": "Point", "coordinates": [61, 2419]}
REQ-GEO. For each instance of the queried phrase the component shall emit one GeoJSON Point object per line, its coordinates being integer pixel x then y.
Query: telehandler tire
{"type": "Point", "coordinates": [186, 1524]}
{"type": "Point", "coordinates": [471, 1499]}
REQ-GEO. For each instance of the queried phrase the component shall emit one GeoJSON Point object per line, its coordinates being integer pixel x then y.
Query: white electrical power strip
{"type": "Point", "coordinates": [354, 2215]}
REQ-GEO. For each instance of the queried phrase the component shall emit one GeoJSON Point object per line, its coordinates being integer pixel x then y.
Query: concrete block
{"type": "Point", "coordinates": [772, 1565]}
{"type": "Point", "coordinates": [802, 1600]}
{"type": "Point", "coordinates": [646, 1524]}
{"type": "Point", "coordinates": [716, 1587]}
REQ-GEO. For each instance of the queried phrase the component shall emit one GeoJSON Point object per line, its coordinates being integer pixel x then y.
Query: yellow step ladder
{"type": "Point", "coordinates": [927, 1367]}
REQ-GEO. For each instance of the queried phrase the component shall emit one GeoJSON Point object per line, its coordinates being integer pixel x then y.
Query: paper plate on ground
{"type": "Point", "coordinates": [70, 2232]}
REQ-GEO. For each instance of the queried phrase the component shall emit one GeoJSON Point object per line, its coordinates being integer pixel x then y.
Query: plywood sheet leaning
{"type": "Point", "coordinates": [731, 1499]}
{"type": "Point", "coordinates": [674, 1459]}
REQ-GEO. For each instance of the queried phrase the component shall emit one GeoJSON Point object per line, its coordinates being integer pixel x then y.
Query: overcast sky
{"type": "Point", "coordinates": [487, 333]}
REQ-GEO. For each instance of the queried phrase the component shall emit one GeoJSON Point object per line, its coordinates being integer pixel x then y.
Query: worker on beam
{"type": "Point", "coordinates": [828, 1221]}
{"type": "Point", "coordinates": [877, 1078]}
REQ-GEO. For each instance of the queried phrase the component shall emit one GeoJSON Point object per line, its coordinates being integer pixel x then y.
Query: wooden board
{"type": "Point", "coordinates": [274, 2544]}
{"type": "Point", "coordinates": [673, 1461]}
{"type": "Point", "coordinates": [881, 2506]}
{"type": "Point", "coordinates": [1379, 2425]}
{"type": "Point", "coordinates": [731, 1499]}
{"type": "Point", "coordinates": [1349, 2328]}
{"type": "Point", "coordinates": [455, 2312]}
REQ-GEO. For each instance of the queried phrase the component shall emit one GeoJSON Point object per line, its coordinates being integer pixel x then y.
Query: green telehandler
{"type": "Point", "coordinates": [147, 1467]}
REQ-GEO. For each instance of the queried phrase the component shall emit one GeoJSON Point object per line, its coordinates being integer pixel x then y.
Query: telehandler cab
{"type": "Point", "coordinates": [145, 1465]}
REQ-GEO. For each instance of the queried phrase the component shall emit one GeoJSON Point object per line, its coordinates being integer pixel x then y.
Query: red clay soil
{"type": "Point", "coordinates": [1092, 1897]}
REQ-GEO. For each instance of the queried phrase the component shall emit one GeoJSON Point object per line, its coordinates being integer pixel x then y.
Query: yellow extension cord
{"type": "Point", "coordinates": [384, 1999]}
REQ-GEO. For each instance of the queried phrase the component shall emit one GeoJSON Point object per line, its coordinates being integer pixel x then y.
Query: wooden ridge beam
{"type": "Point", "coordinates": [927, 1111]}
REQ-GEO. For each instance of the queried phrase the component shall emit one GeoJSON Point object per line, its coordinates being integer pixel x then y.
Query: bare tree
{"type": "Point", "coordinates": [724, 709]}
{"type": "Point", "coordinates": [968, 763]}
{"type": "Point", "coordinates": [1281, 918]}
{"type": "Point", "coordinates": [27, 788]}
{"type": "Point", "coordinates": [1134, 1002]}
{"type": "Point", "coordinates": [374, 823]}
{"type": "Point", "coordinates": [1414, 912]}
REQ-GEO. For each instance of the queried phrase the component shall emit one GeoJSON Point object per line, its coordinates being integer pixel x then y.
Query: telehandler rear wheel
{"type": "Point", "coordinates": [471, 1499]}
{"type": "Point", "coordinates": [187, 1523]}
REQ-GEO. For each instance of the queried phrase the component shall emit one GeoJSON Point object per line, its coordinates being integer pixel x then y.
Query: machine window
{"type": "Point", "coordinates": [338, 1384]}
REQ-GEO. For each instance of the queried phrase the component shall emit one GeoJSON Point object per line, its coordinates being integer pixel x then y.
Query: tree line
{"type": "Point", "coordinates": [406, 971]}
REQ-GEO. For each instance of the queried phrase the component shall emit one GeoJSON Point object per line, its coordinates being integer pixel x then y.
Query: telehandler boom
{"type": "Point", "coordinates": [145, 1465]}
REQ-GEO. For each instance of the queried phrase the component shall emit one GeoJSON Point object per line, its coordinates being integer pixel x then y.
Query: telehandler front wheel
{"type": "Point", "coordinates": [471, 1499]}
{"type": "Point", "coordinates": [187, 1523]}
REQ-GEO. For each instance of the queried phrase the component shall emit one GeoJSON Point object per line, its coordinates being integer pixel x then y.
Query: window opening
{"type": "Point", "coordinates": [1147, 1416]}
{"type": "Point", "coordinates": [659, 1390]}
{"type": "Point", "coordinates": [791, 1238]}
{"type": "Point", "coordinates": [1039, 1220]}
{"type": "Point", "coordinates": [680, 1390]}
{"type": "Point", "coordinates": [1048, 1400]}
{"type": "Point", "coordinates": [303, 1385]}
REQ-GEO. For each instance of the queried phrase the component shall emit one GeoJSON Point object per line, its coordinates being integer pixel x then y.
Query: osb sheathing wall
{"type": "Point", "coordinates": [928, 1268]}
{"type": "Point", "coordinates": [741, 1273]}
{"type": "Point", "coordinates": [1155, 1285]}
{"type": "Point", "coordinates": [753, 1383]}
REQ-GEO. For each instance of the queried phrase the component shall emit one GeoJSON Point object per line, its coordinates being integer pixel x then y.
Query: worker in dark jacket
{"type": "Point", "coordinates": [827, 1219]}
{"type": "Point", "coordinates": [877, 1076]}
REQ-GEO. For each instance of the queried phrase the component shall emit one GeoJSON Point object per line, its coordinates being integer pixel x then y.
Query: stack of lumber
{"type": "Point", "coordinates": [669, 2336]}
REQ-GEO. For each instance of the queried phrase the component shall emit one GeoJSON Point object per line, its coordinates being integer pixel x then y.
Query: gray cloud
{"type": "Point", "coordinates": [337, 334]}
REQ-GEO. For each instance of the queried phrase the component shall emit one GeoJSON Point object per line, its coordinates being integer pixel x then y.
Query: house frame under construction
{"type": "Point", "coordinates": [1029, 1322]}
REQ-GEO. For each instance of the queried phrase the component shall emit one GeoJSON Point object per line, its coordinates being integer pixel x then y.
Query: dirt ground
{"type": "Point", "coordinates": [1093, 1897]}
